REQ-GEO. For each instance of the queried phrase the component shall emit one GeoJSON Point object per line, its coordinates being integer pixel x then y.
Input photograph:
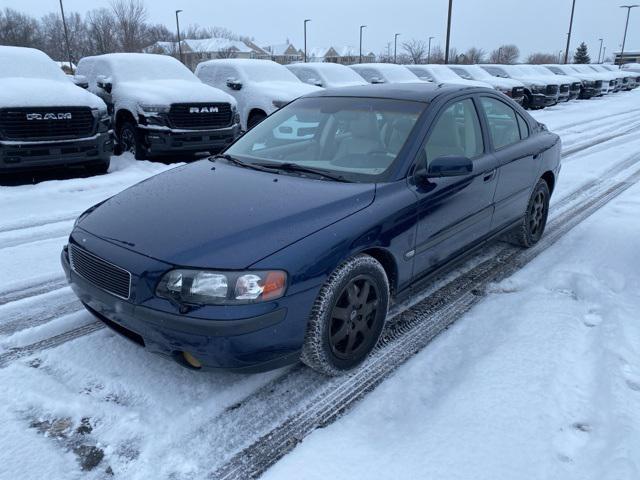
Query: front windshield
{"type": "Point", "coordinates": [137, 67]}
{"type": "Point", "coordinates": [444, 73]}
{"type": "Point", "coordinates": [472, 72]}
{"type": "Point", "coordinates": [357, 139]}
{"type": "Point", "coordinates": [268, 72]}
{"type": "Point", "coordinates": [340, 75]}
{"type": "Point", "coordinates": [399, 74]}
{"type": "Point", "coordinates": [28, 63]}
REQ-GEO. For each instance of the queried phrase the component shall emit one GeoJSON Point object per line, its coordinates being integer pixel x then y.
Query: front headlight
{"type": "Point", "coordinates": [205, 287]}
{"type": "Point", "coordinates": [153, 109]}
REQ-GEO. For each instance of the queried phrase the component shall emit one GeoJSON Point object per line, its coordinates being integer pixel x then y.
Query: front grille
{"type": "Point", "coordinates": [564, 88]}
{"type": "Point", "coordinates": [552, 89]}
{"type": "Point", "coordinates": [517, 92]}
{"type": "Point", "coordinates": [200, 115]}
{"type": "Point", "coordinates": [43, 123]}
{"type": "Point", "coordinates": [598, 83]}
{"type": "Point", "coordinates": [101, 273]}
{"type": "Point", "coordinates": [576, 86]}
{"type": "Point", "coordinates": [612, 83]}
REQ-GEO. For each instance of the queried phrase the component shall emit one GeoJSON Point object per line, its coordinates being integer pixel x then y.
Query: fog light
{"type": "Point", "coordinates": [191, 360]}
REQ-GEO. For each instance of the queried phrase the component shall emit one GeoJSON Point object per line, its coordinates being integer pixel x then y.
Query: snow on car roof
{"type": "Point", "coordinates": [393, 72]}
{"type": "Point", "coordinates": [258, 70]}
{"type": "Point", "coordinates": [20, 62]}
{"type": "Point", "coordinates": [145, 66]}
{"type": "Point", "coordinates": [333, 72]}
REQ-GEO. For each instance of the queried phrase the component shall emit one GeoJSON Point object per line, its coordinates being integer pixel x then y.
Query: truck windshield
{"type": "Point", "coordinates": [136, 67]}
{"type": "Point", "coordinates": [268, 72]}
{"type": "Point", "coordinates": [356, 139]}
{"type": "Point", "coordinates": [28, 63]}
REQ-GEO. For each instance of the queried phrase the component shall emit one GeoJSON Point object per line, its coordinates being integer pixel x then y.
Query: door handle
{"type": "Point", "coordinates": [489, 176]}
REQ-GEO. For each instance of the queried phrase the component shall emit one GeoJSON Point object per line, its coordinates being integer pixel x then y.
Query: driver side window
{"type": "Point", "coordinates": [456, 133]}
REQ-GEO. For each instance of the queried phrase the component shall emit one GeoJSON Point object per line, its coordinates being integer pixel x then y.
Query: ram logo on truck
{"type": "Point", "coordinates": [203, 110]}
{"type": "Point", "coordinates": [49, 116]}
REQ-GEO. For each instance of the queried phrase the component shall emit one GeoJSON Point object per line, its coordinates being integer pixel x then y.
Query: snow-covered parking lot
{"type": "Point", "coordinates": [526, 365]}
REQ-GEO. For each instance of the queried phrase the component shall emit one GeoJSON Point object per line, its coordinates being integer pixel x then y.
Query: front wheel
{"type": "Point", "coordinates": [348, 316]}
{"type": "Point", "coordinates": [129, 140]}
{"type": "Point", "coordinates": [534, 222]}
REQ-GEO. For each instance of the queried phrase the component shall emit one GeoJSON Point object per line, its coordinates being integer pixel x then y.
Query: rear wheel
{"type": "Point", "coordinates": [530, 230]}
{"type": "Point", "coordinates": [129, 140]}
{"type": "Point", "coordinates": [526, 101]}
{"type": "Point", "coordinates": [255, 118]}
{"type": "Point", "coordinates": [347, 317]}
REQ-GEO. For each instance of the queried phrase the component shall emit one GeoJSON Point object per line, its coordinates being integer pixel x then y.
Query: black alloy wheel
{"type": "Point", "coordinates": [353, 317]}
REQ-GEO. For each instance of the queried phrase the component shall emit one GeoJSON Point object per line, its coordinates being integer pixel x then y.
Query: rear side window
{"type": "Point", "coordinates": [503, 124]}
{"type": "Point", "coordinates": [456, 133]}
{"type": "Point", "coordinates": [524, 127]}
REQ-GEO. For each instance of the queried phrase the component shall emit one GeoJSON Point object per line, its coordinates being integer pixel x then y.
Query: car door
{"type": "Point", "coordinates": [103, 70]}
{"type": "Point", "coordinates": [518, 155]}
{"type": "Point", "coordinates": [453, 212]}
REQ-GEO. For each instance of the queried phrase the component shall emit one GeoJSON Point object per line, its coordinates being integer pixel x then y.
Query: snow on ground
{"type": "Point", "coordinates": [539, 381]}
{"type": "Point", "coordinates": [551, 392]}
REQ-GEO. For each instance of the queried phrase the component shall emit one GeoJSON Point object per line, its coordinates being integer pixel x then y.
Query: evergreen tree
{"type": "Point", "coordinates": [582, 55]}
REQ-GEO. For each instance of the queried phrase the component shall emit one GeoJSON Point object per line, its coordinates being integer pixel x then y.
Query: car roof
{"type": "Point", "coordinates": [418, 92]}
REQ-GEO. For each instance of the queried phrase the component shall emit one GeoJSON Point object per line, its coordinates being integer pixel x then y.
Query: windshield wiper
{"type": "Point", "coordinates": [240, 163]}
{"type": "Point", "coordinates": [294, 167]}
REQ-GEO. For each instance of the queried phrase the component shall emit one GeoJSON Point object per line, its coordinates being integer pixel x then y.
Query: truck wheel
{"type": "Point", "coordinates": [129, 140]}
{"type": "Point", "coordinates": [530, 230]}
{"type": "Point", "coordinates": [526, 101]}
{"type": "Point", "coordinates": [347, 317]}
{"type": "Point", "coordinates": [255, 118]}
{"type": "Point", "coordinates": [98, 168]}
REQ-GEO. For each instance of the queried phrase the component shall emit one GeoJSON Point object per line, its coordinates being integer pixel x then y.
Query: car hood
{"type": "Point", "coordinates": [538, 80]}
{"type": "Point", "coordinates": [166, 92]}
{"type": "Point", "coordinates": [41, 92]}
{"type": "Point", "coordinates": [503, 82]}
{"type": "Point", "coordinates": [219, 216]}
{"type": "Point", "coordinates": [284, 91]}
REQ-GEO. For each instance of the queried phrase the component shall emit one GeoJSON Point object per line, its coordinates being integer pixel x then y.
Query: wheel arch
{"type": "Point", "coordinates": [550, 178]}
{"type": "Point", "coordinates": [122, 116]}
{"type": "Point", "coordinates": [389, 264]}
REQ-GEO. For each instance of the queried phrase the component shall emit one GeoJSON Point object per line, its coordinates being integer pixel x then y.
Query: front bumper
{"type": "Point", "coordinates": [542, 100]}
{"type": "Point", "coordinates": [164, 141]}
{"type": "Point", "coordinates": [589, 92]}
{"type": "Point", "coordinates": [17, 155]}
{"type": "Point", "coordinates": [246, 338]}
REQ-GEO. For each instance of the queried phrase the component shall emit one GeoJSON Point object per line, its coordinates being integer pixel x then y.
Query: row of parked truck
{"type": "Point", "coordinates": [152, 105]}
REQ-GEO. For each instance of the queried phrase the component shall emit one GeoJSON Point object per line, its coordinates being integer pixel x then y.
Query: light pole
{"type": "Point", "coordinates": [499, 55]}
{"type": "Point", "coordinates": [446, 52]}
{"type": "Point", "coordinates": [179, 40]}
{"type": "Point", "coordinates": [429, 50]}
{"type": "Point", "coordinates": [566, 51]}
{"type": "Point", "coordinates": [362, 27]}
{"type": "Point", "coordinates": [600, 52]}
{"type": "Point", "coordinates": [560, 56]}
{"type": "Point", "coordinates": [604, 53]}
{"type": "Point", "coordinates": [305, 39]}
{"type": "Point", "coordinates": [624, 40]}
{"type": "Point", "coordinates": [395, 48]}
{"type": "Point", "coordinates": [66, 37]}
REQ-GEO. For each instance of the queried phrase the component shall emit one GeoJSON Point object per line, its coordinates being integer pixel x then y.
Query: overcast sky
{"type": "Point", "coordinates": [534, 25]}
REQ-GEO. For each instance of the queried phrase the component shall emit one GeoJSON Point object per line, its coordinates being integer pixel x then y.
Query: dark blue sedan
{"type": "Point", "coordinates": [294, 243]}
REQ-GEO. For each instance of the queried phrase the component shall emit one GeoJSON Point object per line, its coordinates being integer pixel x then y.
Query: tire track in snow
{"type": "Point", "coordinates": [598, 119]}
{"type": "Point", "coordinates": [598, 140]}
{"type": "Point", "coordinates": [416, 327]}
{"type": "Point", "coordinates": [33, 290]}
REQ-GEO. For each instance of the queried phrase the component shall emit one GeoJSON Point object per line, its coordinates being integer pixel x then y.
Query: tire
{"type": "Point", "coordinates": [346, 320]}
{"type": "Point", "coordinates": [526, 102]}
{"type": "Point", "coordinates": [129, 140]}
{"type": "Point", "coordinates": [98, 168]}
{"type": "Point", "coordinates": [533, 224]}
{"type": "Point", "coordinates": [255, 118]}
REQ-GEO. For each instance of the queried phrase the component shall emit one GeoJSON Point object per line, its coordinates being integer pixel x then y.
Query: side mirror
{"type": "Point", "coordinates": [104, 83]}
{"type": "Point", "coordinates": [234, 84]}
{"type": "Point", "coordinates": [377, 80]}
{"type": "Point", "coordinates": [450, 166]}
{"type": "Point", "coordinates": [315, 82]}
{"type": "Point", "coordinates": [81, 81]}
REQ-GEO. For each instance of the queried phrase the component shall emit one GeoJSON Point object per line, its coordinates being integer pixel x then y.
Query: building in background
{"type": "Point", "coordinates": [345, 55]}
{"type": "Point", "coordinates": [284, 53]}
{"type": "Point", "coordinates": [631, 56]}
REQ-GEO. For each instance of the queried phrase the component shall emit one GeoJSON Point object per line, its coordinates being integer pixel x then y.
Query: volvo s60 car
{"type": "Point", "coordinates": [294, 248]}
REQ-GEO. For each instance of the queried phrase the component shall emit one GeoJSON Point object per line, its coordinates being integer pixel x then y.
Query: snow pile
{"type": "Point", "coordinates": [541, 380]}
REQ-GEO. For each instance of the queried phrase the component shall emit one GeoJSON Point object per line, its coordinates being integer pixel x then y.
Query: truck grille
{"type": "Point", "coordinates": [552, 89]}
{"type": "Point", "coordinates": [200, 115]}
{"type": "Point", "coordinates": [564, 88]}
{"type": "Point", "coordinates": [598, 83]}
{"type": "Point", "coordinates": [575, 87]}
{"type": "Point", "coordinates": [101, 273]}
{"type": "Point", "coordinates": [46, 123]}
{"type": "Point", "coordinates": [517, 92]}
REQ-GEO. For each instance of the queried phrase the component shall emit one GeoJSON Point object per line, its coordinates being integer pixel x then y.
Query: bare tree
{"type": "Point", "coordinates": [101, 26]}
{"type": "Point", "coordinates": [227, 52]}
{"type": "Point", "coordinates": [474, 56]}
{"type": "Point", "coordinates": [416, 51]}
{"type": "Point", "coordinates": [506, 54]}
{"type": "Point", "coordinates": [19, 30]}
{"type": "Point", "coordinates": [131, 16]}
{"type": "Point", "coordinates": [53, 41]}
{"type": "Point", "coordinates": [542, 58]}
